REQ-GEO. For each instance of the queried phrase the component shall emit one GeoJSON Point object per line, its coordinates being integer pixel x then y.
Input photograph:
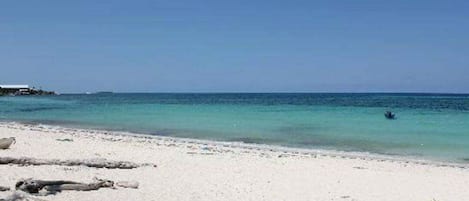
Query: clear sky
{"type": "Point", "coordinates": [236, 46]}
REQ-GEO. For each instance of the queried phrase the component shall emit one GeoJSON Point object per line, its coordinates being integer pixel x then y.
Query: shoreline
{"type": "Point", "coordinates": [189, 169]}
{"type": "Point", "coordinates": [273, 149]}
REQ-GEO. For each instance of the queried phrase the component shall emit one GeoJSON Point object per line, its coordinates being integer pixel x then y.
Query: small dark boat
{"type": "Point", "coordinates": [389, 115]}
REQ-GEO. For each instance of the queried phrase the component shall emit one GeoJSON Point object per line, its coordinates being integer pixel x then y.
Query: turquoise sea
{"type": "Point", "coordinates": [428, 126]}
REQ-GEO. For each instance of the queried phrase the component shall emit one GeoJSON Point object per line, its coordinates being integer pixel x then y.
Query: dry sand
{"type": "Point", "coordinates": [203, 170]}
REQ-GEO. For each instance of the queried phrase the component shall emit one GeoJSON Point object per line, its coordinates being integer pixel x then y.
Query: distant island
{"type": "Point", "coordinates": [104, 92]}
{"type": "Point", "coordinates": [22, 90]}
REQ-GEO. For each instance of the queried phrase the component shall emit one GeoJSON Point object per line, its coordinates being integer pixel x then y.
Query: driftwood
{"type": "Point", "coordinates": [127, 184]}
{"type": "Point", "coordinates": [3, 188]}
{"type": "Point", "coordinates": [96, 163]}
{"type": "Point", "coordinates": [44, 187]}
{"type": "Point", "coordinates": [5, 143]}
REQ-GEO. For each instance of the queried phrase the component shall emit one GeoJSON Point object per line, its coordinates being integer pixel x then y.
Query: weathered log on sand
{"type": "Point", "coordinates": [96, 163]}
{"type": "Point", "coordinates": [80, 186]}
{"type": "Point", "coordinates": [5, 143]}
{"type": "Point", "coordinates": [127, 184]}
{"type": "Point", "coordinates": [3, 188]}
{"type": "Point", "coordinates": [51, 187]}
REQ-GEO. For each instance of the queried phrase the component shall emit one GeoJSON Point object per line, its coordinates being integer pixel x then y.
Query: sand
{"type": "Point", "coordinates": [203, 170]}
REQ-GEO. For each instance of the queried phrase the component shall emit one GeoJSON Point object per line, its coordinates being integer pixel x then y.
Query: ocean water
{"type": "Point", "coordinates": [428, 126]}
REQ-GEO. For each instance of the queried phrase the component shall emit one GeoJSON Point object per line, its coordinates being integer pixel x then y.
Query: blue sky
{"type": "Point", "coordinates": [236, 46]}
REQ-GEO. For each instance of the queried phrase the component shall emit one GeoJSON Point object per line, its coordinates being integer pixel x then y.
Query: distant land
{"type": "Point", "coordinates": [22, 90]}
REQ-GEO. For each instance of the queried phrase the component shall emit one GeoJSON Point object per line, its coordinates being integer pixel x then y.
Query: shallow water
{"type": "Point", "coordinates": [431, 126]}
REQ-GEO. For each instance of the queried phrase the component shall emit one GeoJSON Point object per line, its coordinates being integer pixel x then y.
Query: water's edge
{"type": "Point", "coordinates": [427, 126]}
{"type": "Point", "coordinates": [241, 145]}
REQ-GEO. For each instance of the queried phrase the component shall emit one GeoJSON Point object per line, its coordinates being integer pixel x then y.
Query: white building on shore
{"type": "Point", "coordinates": [15, 89]}
{"type": "Point", "coordinates": [17, 86]}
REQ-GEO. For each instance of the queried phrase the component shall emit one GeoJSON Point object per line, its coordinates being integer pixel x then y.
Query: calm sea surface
{"type": "Point", "coordinates": [430, 126]}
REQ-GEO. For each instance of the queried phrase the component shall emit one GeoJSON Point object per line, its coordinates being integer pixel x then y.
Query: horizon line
{"type": "Point", "coordinates": [262, 92]}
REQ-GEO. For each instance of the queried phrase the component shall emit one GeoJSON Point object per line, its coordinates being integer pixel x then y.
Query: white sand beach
{"type": "Point", "coordinates": [203, 170]}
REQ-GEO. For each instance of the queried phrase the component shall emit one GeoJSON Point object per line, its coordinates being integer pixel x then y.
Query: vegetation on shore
{"type": "Point", "coordinates": [31, 91]}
